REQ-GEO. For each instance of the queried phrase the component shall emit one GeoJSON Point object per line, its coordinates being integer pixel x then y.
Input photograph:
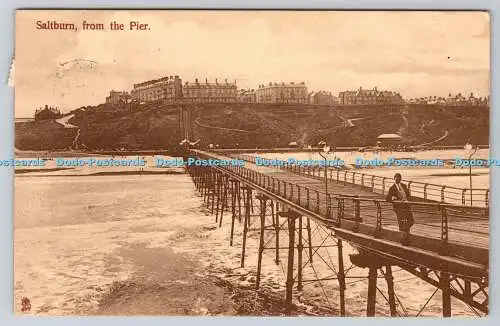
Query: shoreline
{"type": "Point", "coordinates": [101, 173]}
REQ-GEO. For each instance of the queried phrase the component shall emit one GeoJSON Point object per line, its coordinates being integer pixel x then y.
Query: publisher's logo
{"type": "Point", "coordinates": [25, 304]}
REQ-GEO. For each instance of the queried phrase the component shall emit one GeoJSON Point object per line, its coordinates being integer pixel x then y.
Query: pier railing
{"type": "Point", "coordinates": [379, 184]}
{"type": "Point", "coordinates": [447, 223]}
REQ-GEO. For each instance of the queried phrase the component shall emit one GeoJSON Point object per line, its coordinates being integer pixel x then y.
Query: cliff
{"type": "Point", "coordinates": [257, 125]}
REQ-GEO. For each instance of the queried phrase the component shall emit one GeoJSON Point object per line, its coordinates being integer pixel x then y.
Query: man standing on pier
{"type": "Point", "coordinates": [399, 192]}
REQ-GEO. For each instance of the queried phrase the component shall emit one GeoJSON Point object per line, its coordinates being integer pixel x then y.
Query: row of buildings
{"type": "Point", "coordinates": [370, 96]}
{"type": "Point", "coordinates": [285, 93]}
{"type": "Point", "coordinates": [171, 89]}
{"type": "Point", "coordinates": [209, 92]}
{"type": "Point", "coordinates": [452, 100]}
{"type": "Point", "coordinates": [167, 89]}
{"type": "Point", "coordinates": [289, 93]}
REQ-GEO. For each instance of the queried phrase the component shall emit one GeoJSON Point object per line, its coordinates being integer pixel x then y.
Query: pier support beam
{"type": "Point", "coordinates": [445, 288]}
{"type": "Point", "coordinates": [309, 239]}
{"type": "Point", "coordinates": [277, 235]}
{"type": "Point", "coordinates": [289, 276]}
{"type": "Point", "coordinates": [224, 188]}
{"type": "Point", "coordinates": [238, 198]}
{"type": "Point", "coordinates": [299, 256]}
{"type": "Point", "coordinates": [213, 185]}
{"type": "Point", "coordinates": [291, 217]}
{"type": "Point", "coordinates": [373, 263]}
{"type": "Point", "coordinates": [246, 222]}
{"type": "Point", "coordinates": [233, 208]}
{"type": "Point", "coordinates": [372, 291]}
{"type": "Point", "coordinates": [390, 290]}
{"type": "Point", "coordinates": [219, 195]}
{"type": "Point", "coordinates": [341, 277]}
{"type": "Point", "coordinates": [263, 205]}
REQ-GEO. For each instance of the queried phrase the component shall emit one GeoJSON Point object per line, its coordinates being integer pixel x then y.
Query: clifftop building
{"type": "Point", "coordinates": [247, 96]}
{"type": "Point", "coordinates": [321, 98]}
{"type": "Point", "coordinates": [210, 92]}
{"type": "Point", "coordinates": [47, 112]}
{"type": "Point", "coordinates": [164, 90]}
{"type": "Point", "coordinates": [116, 97]}
{"type": "Point", "coordinates": [290, 93]}
{"type": "Point", "coordinates": [451, 100]}
{"type": "Point", "coordinates": [370, 96]}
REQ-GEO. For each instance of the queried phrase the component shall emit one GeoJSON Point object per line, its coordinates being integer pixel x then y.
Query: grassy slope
{"type": "Point", "coordinates": [155, 127]}
{"type": "Point", "coordinates": [427, 123]}
{"type": "Point", "coordinates": [267, 126]}
{"type": "Point", "coordinates": [42, 135]}
{"type": "Point", "coordinates": [138, 129]}
{"type": "Point", "coordinates": [366, 131]}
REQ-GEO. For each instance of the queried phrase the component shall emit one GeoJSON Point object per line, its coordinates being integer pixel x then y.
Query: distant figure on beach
{"type": "Point", "coordinates": [399, 192]}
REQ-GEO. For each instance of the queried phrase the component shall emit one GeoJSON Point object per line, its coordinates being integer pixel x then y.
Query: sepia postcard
{"type": "Point", "coordinates": [251, 163]}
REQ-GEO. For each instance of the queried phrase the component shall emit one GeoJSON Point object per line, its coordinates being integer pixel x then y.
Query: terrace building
{"type": "Point", "coordinates": [289, 93]}
{"type": "Point", "coordinates": [370, 97]}
{"type": "Point", "coordinates": [164, 90]}
{"type": "Point", "coordinates": [321, 98]}
{"type": "Point", "coordinates": [210, 92]}
{"type": "Point", "coordinates": [451, 100]}
{"type": "Point", "coordinates": [347, 97]}
{"type": "Point", "coordinates": [247, 96]}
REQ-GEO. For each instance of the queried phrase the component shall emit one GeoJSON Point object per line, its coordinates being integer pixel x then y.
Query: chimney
{"type": "Point", "coordinates": [206, 80]}
{"type": "Point", "coordinates": [216, 81]}
{"type": "Point", "coordinates": [196, 80]}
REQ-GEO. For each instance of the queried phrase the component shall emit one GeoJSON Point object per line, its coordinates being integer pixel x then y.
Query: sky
{"type": "Point", "coordinates": [414, 53]}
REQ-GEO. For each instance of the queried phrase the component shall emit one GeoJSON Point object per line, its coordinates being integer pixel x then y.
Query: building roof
{"type": "Point", "coordinates": [283, 84]}
{"type": "Point", "coordinates": [207, 83]}
{"type": "Point", "coordinates": [369, 92]}
{"type": "Point", "coordinates": [389, 136]}
{"type": "Point", "coordinates": [348, 92]}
